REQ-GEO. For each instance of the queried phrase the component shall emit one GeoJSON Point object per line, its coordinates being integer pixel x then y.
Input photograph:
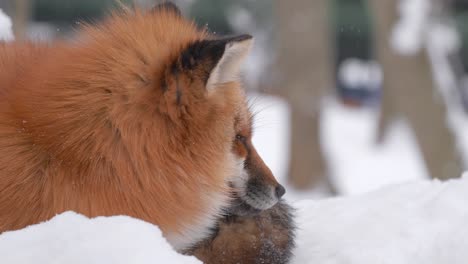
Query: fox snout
{"type": "Point", "coordinates": [262, 185]}
{"type": "Point", "coordinates": [256, 189]}
{"type": "Point", "coordinates": [263, 196]}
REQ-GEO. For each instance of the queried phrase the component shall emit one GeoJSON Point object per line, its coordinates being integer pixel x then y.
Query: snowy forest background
{"type": "Point", "coordinates": [351, 95]}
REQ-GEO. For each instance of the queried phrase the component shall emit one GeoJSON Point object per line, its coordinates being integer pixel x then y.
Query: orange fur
{"type": "Point", "coordinates": [104, 126]}
{"type": "Point", "coordinates": [86, 127]}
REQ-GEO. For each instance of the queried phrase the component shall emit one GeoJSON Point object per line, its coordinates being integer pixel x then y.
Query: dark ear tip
{"type": "Point", "coordinates": [167, 6]}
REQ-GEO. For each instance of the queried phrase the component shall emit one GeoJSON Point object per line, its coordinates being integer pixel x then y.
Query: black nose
{"type": "Point", "coordinates": [280, 191]}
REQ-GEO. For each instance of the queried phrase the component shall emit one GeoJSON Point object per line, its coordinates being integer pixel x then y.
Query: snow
{"type": "Point", "coordinates": [6, 33]}
{"type": "Point", "coordinates": [420, 222]}
{"type": "Point", "coordinates": [356, 74]}
{"type": "Point", "coordinates": [410, 31]}
{"type": "Point", "coordinates": [444, 37]}
{"type": "Point", "coordinates": [419, 27]}
{"type": "Point", "coordinates": [72, 238]}
{"type": "Point", "coordinates": [357, 163]}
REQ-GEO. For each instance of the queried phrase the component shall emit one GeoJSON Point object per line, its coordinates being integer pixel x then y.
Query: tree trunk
{"type": "Point", "coordinates": [304, 72]}
{"type": "Point", "coordinates": [21, 18]}
{"type": "Point", "coordinates": [388, 113]}
{"type": "Point", "coordinates": [410, 89]}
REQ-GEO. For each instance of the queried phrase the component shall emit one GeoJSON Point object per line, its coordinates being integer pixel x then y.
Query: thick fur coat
{"type": "Point", "coordinates": [141, 115]}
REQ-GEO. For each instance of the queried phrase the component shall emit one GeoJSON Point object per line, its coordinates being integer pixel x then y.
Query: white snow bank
{"type": "Point", "coordinates": [6, 33]}
{"type": "Point", "coordinates": [421, 222]}
{"type": "Point", "coordinates": [72, 238]}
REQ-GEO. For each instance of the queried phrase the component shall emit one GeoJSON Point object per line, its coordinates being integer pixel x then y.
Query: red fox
{"type": "Point", "coordinates": [141, 115]}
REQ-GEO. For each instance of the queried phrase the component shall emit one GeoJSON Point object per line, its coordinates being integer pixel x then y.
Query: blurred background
{"type": "Point", "coordinates": [351, 95]}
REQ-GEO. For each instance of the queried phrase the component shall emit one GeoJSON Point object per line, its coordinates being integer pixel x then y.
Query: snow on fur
{"type": "Point", "coordinates": [6, 34]}
{"type": "Point", "coordinates": [421, 222]}
{"type": "Point", "coordinates": [72, 238]}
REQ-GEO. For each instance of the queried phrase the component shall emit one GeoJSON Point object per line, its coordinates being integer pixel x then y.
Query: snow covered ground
{"type": "Point", "coordinates": [418, 222]}
{"type": "Point", "coordinates": [74, 239]}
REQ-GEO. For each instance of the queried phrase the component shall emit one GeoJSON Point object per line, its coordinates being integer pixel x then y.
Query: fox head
{"type": "Point", "coordinates": [213, 64]}
{"type": "Point", "coordinates": [216, 62]}
{"type": "Point", "coordinates": [142, 115]}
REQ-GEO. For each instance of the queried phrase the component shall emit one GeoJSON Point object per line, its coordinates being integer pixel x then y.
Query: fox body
{"type": "Point", "coordinates": [141, 115]}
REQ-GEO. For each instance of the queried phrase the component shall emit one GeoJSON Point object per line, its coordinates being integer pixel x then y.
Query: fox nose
{"type": "Point", "coordinates": [279, 191]}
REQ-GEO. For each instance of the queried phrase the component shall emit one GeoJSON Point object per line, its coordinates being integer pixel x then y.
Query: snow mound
{"type": "Point", "coordinates": [6, 34]}
{"type": "Point", "coordinates": [72, 238]}
{"type": "Point", "coordinates": [421, 222]}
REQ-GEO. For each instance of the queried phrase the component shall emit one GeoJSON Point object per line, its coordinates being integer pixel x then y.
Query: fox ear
{"type": "Point", "coordinates": [228, 66]}
{"type": "Point", "coordinates": [167, 7]}
{"type": "Point", "coordinates": [220, 59]}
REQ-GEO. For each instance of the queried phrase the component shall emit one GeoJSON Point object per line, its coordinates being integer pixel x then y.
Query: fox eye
{"type": "Point", "coordinates": [241, 138]}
